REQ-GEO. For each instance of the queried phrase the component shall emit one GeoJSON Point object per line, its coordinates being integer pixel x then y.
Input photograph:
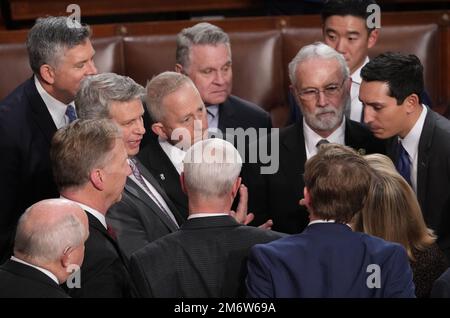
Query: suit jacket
{"type": "Point", "coordinates": [22, 281]}
{"type": "Point", "coordinates": [441, 287]}
{"type": "Point", "coordinates": [137, 219]}
{"type": "Point", "coordinates": [433, 176]}
{"type": "Point", "coordinates": [153, 157]}
{"type": "Point", "coordinates": [236, 112]}
{"type": "Point", "coordinates": [276, 195]}
{"type": "Point", "coordinates": [329, 260]}
{"type": "Point", "coordinates": [104, 271]}
{"type": "Point", "coordinates": [26, 130]}
{"type": "Point", "coordinates": [205, 258]}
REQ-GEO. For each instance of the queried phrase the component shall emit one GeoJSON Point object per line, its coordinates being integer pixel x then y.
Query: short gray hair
{"type": "Point", "coordinates": [316, 50]}
{"type": "Point", "coordinates": [211, 167]}
{"type": "Point", "coordinates": [200, 34]}
{"type": "Point", "coordinates": [159, 87]}
{"type": "Point", "coordinates": [50, 36]}
{"type": "Point", "coordinates": [47, 241]}
{"type": "Point", "coordinates": [96, 93]}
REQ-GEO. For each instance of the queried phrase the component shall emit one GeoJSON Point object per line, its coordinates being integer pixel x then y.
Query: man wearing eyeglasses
{"type": "Point", "coordinates": [321, 85]}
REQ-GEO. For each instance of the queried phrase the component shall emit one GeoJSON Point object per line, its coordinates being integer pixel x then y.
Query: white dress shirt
{"type": "Point", "coordinates": [356, 105]}
{"type": "Point", "coordinates": [411, 145]}
{"type": "Point", "coordinates": [312, 138]}
{"type": "Point", "coordinates": [175, 154]}
{"type": "Point", "coordinates": [56, 108]}
{"type": "Point", "coordinates": [213, 116]}
{"type": "Point", "coordinates": [204, 215]}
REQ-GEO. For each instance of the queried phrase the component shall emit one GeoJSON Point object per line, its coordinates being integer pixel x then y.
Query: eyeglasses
{"type": "Point", "coordinates": [311, 94]}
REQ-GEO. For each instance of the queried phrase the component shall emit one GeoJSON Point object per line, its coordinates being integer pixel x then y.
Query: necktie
{"type": "Point", "coordinates": [321, 142]}
{"type": "Point", "coordinates": [141, 180]}
{"type": "Point", "coordinates": [111, 232]}
{"type": "Point", "coordinates": [403, 163]}
{"type": "Point", "coordinates": [70, 113]}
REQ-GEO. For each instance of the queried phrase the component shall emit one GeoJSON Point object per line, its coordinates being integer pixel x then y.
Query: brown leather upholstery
{"type": "Point", "coordinates": [260, 59]}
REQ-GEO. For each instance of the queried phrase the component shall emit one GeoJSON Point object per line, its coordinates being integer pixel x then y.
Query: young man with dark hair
{"type": "Point", "coordinates": [418, 137]}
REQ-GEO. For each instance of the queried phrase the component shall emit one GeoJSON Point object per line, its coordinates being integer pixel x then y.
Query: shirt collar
{"type": "Point", "coordinates": [99, 216]}
{"type": "Point", "coordinates": [356, 76]}
{"type": "Point", "coordinates": [312, 138]}
{"type": "Point", "coordinates": [175, 154]}
{"type": "Point", "coordinates": [411, 140]}
{"type": "Point", "coordinates": [325, 221]}
{"type": "Point", "coordinates": [56, 108]}
{"type": "Point", "coordinates": [204, 215]}
{"type": "Point", "coordinates": [213, 109]}
{"type": "Point", "coordinates": [43, 270]}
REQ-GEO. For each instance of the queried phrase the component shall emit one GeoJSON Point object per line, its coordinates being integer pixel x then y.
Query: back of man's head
{"type": "Point", "coordinates": [48, 229]}
{"type": "Point", "coordinates": [80, 147]}
{"type": "Point", "coordinates": [338, 180]}
{"type": "Point", "coordinates": [355, 8]}
{"type": "Point", "coordinates": [211, 167]}
{"type": "Point", "coordinates": [97, 92]}
{"type": "Point", "coordinates": [50, 36]}
{"type": "Point", "coordinates": [200, 34]}
{"type": "Point", "coordinates": [403, 74]}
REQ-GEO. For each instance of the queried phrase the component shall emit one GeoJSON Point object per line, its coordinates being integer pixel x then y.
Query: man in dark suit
{"type": "Point", "coordinates": [90, 165]}
{"type": "Point", "coordinates": [328, 259]}
{"type": "Point", "coordinates": [49, 245]}
{"type": "Point", "coordinates": [204, 54]}
{"type": "Point", "coordinates": [60, 57]}
{"type": "Point", "coordinates": [419, 138]}
{"type": "Point", "coordinates": [207, 256]}
{"type": "Point", "coordinates": [145, 212]}
{"type": "Point", "coordinates": [320, 82]}
{"type": "Point", "coordinates": [179, 120]}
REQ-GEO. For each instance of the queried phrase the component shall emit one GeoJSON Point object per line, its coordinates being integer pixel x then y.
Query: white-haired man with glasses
{"type": "Point", "coordinates": [321, 85]}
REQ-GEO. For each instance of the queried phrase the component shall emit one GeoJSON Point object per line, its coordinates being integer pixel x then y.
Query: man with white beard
{"type": "Point", "coordinates": [321, 85]}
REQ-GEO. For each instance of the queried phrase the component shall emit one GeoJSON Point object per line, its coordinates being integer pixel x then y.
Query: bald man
{"type": "Point", "coordinates": [48, 246]}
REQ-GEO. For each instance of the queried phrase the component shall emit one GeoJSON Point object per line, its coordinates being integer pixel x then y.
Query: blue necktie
{"type": "Point", "coordinates": [403, 164]}
{"type": "Point", "coordinates": [70, 113]}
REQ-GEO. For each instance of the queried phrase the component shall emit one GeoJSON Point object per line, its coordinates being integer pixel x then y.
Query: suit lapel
{"type": "Point", "coordinates": [293, 143]}
{"type": "Point", "coordinates": [353, 138]}
{"type": "Point", "coordinates": [160, 166]}
{"type": "Point", "coordinates": [40, 113]}
{"type": "Point", "coordinates": [135, 190]}
{"type": "Point", "coordinates": [149, 177]}
{"type": "Point", "coordinates": [226, 116]}
{"type": "Point", "coordinates": [426, 138]}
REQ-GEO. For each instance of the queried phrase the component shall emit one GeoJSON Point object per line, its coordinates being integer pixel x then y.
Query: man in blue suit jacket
{"type": "Point", "coordinates": [328, 259]}
{"type": "Point", "coordinates": [60, 56]}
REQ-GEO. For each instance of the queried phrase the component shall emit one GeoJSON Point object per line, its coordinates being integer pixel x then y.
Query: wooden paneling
{"type": "Point", "coordinates": [29, 10]}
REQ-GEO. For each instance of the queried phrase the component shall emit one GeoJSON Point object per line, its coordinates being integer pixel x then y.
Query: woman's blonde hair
{"type": "Point", "coordinates": [391, 210]}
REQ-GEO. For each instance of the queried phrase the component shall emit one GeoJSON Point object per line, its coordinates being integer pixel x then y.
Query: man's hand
{"type": "Point", "coordinates": [241, 215]}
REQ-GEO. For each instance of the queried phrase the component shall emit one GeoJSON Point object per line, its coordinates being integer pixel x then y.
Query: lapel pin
{"type": "Point", "coordinates": [162, 176]}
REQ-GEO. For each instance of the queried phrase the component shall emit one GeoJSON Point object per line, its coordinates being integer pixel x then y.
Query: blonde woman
{"type": "Point", "coordinates": [392, 212]}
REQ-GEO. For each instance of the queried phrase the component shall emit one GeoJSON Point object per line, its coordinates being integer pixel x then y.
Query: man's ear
{"type": "Point", "coordinates": [307, 197]}
{"type": "Point", "coordinates": [158, 129]}
{"type": "Point", "coordinates": [179, 68]}
{"type": "Point", "coordinates": [411, 103]}
{"type": "Point", "coordinates": [65, 259]}
{"type": "Point", "coordinates": [373, 38]}
{"type": "Point", "coordinates": [47, 73]}
{"type": "Point", "coordinates": [235, 187]}
{"type": "Point", "coordinates": [97, 179]}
